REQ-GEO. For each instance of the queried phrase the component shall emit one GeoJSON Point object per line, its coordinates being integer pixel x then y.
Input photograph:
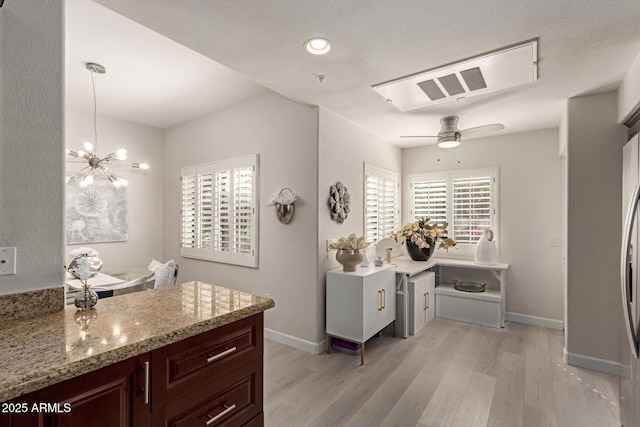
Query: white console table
{"type": "Point", "coordinates": [406, 267]}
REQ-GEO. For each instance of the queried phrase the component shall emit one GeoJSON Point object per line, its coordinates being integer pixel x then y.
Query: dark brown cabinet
{"type": "Point", "coordinates": [211, 379]}
{"type": "Point", "coordinates": [111, 396]}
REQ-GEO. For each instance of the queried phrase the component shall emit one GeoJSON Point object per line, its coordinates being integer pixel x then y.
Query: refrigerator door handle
{"type": "Point", "coordinates": [624, 275]}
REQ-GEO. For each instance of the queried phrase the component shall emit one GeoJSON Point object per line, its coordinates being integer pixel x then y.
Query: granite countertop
{"type": "Point", "coordinates": [48, 349]}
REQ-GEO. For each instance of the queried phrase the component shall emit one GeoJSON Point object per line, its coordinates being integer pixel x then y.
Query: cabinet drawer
{"type": "Point", "coordinates": [233, 400]}
{"type": "Point", "coordinates": [179, 368]}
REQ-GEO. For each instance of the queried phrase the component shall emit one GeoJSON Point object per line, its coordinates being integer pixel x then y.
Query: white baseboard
{"type": "Point", "coordinates": [536, 321]}
{"type": "Point", "coordinates": [295, 342]}
{"type": "Point", "coordinates": [593, 363]}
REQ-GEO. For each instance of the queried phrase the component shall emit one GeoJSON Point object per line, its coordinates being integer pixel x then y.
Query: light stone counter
{"type": "Point", "coordinates": [48, 349]}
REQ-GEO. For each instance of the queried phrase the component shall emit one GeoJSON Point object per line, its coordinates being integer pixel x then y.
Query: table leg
{"type": "Point", "coordinates": [362, 354]}
{"type": "Point", "coordinates": [328, 344]}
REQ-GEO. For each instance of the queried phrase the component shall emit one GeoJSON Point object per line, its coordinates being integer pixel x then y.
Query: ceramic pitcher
{"type": "Point", "coordinates": [486, 251]}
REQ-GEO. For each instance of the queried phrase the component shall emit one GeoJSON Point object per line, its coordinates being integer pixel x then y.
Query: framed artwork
{"type": "Point", "coordinates": [97, 213]}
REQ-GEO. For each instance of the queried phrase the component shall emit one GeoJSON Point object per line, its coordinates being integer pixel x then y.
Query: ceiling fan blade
{"type": "Point", "coordinates": [479, 130]}
{"type": "Point", "coordinates": [419, 136]}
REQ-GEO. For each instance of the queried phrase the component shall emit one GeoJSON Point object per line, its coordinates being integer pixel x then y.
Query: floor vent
{"type": "Point", "coordinates": [493, 71]}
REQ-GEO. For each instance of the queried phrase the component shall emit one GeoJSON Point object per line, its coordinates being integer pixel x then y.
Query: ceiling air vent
{"type": "Point", "coordinates": [493, 71]}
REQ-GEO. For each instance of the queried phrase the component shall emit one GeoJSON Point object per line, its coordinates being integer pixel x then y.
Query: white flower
{"type": "Point", "coordinates": [82, 271]}
{"type": "Point", "coordinates": [283, 197]}
{"type": "Point", "coordinates": [83, 252]}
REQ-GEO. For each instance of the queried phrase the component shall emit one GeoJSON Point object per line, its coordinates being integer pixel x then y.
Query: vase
{"type": "Point", "coordinates": [486, 251]}
{"type": "Point", "coordinates": [349, 258]}
{"type": "Point", "coordinates": [94, 266]}
{"type": "Point", "coordinates": [421, 254]}
{"type": "Point", "coordinates": [86, 298]}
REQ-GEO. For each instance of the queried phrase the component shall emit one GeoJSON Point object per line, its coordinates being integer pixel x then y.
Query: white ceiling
{"type": "Point", "coordinates": [585, 46]}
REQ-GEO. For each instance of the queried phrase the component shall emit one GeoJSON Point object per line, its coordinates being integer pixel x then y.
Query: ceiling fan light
{"type": "Point", "coordinates": [317, 46]}
{"type": "Point", "coordinates": [448, 144]}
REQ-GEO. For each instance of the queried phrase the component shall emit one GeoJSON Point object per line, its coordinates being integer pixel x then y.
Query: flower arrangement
{"type": "Point", "coordinates": [80, 268]}
{"type": "Point", "coordinates": [352, 242]}
{"type": "Point", "coordinates": [417, 232]}
{"type": "Point", "coordinates": [83, 252]}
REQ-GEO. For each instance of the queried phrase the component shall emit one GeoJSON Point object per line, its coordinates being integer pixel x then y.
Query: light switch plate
{"type": "Point", "coordinates": [7, 260]}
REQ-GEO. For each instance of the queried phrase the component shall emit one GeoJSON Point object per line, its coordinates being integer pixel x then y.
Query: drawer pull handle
{"type": "Point", "coordinates": [427, 294]}
{"type": "Point", "coordinates": [146, 382]}
{"type": "Point", "coordinates": [227, 409]}
{"type": "Point", "coordinates": [219, 355]}
{"type": "Point", "coordinates": [384, 298]}
{"type": "Point", "coordinates": [379, 300]}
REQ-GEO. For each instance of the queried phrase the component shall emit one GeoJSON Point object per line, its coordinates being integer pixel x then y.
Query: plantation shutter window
{"type": "Point", "coordinates": [382, 203]}
{"type": "Point", "coordinates": [471, 208]}
{"type": "Point", "coordinates": [430, 200]}
{"type": "Point", "coordinates": [465, 199]}
{"type": "Point", "coordinates": [219, 211]}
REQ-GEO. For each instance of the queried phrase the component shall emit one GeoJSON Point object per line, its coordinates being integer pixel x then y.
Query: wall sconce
{"type": "Point", "coordinates": [283, 204]}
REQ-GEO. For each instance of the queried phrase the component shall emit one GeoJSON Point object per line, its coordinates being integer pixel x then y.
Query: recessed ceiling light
{"type": "Point", "coordinates": [317, 46]}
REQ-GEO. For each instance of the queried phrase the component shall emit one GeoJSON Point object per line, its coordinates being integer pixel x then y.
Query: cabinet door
{"type": "Point", "coordinates": [111, 396]}
{"type": "Point", "coordinates": [379, 301]}
{"type": "Point", "coordinates": [430, 297]}
{"type": "Point", "coordinates": [418, 290]}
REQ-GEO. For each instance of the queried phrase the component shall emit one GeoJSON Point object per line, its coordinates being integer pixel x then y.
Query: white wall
{"type": "Point", "coordinates": [31, 142]}
{"type": "Point", "coordinates": [144, 193]}
{"type": "Point", "coordinates": [629, 91]}
{"type": "Point", "coordinates": [343, 149]}
{"type": "Point", "coordinates": [284, 135]}
{"type": "Point", "coordinates": [594, 217]}
{"type": "Point", "coordinates": [530, 210]}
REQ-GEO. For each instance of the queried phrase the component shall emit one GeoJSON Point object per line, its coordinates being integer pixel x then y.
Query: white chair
{"type": "Point", "coordinates": [163, 274]}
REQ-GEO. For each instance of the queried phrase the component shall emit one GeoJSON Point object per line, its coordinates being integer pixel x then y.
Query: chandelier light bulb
{"type": "Point", "coordinates": [67, 179]}
{"type": "Point", "coordinates": [122, 154]}
{"type": "Point", "coordinates": [88, 146]}
{"type": "Point", "coordinates": [120, 183]}
{"type": "Point", "coordinates": [83, 184]}
{"type": "Point", "coordinates": [81, 153]}
{"type": "Point", "coordinates": [144, 166]}
{"type": "Point", "coordinates": [88, 179]}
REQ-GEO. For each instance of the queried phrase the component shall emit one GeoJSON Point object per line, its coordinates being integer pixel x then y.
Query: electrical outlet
{"type": "Point", "coordinates": [329, 243]}
{"type": "Point", "coordinates": [7, 260]}
{"type": "Point", "coordinates": [553, 241]}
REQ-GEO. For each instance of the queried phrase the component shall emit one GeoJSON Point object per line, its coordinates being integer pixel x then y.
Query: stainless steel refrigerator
{"type": "Point", "coordinates": [629, 342]}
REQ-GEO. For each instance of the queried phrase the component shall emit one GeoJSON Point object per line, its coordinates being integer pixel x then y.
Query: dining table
{"type": "Point", "coordinates": [111, 282]}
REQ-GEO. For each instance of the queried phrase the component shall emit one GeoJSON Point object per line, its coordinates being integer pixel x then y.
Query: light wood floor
{"type": "Point", "coordinates": [449, 374]}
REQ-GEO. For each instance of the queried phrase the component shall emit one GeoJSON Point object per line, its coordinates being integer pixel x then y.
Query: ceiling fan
{"type": "Point", "coordinates": [450, 136]}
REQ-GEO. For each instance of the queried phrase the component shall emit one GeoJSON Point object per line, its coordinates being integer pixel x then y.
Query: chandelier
{"type": "Point", "coordinates": [89, 156]}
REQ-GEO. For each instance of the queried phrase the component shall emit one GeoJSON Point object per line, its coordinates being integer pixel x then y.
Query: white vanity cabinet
{"type": "Point", "coordinates": [360, 303]}
{"type": "Point", "coordinates": [421, 300]}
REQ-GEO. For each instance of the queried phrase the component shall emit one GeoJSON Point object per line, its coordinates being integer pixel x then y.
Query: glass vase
{"type": "Point", "coordinates": [86, 298]}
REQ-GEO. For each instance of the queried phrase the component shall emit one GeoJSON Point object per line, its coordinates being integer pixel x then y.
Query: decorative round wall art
{"type": "Point", "coordinates": [339, 202]}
